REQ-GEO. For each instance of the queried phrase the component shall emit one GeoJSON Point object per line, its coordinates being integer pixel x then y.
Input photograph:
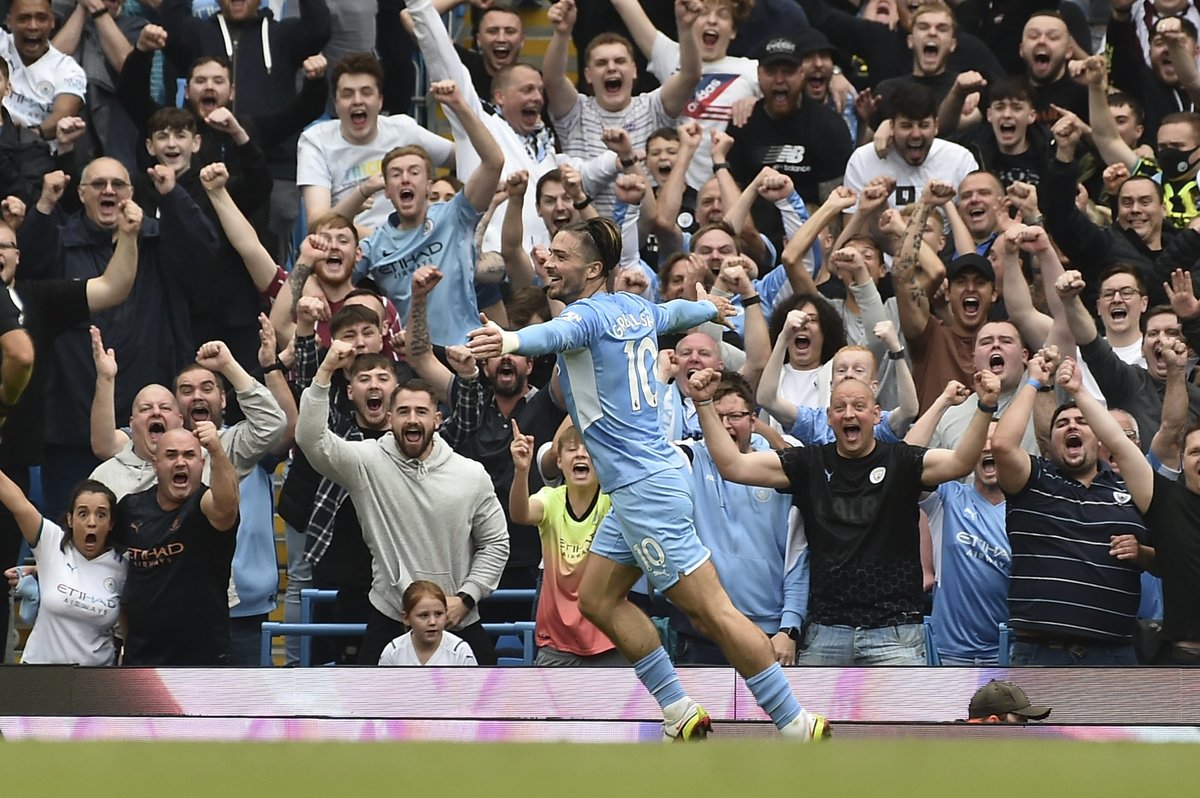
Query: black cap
{"type": "Point", "coordinates": [970, 261]}
{"type": "Point", "coordinates": [813, 41]}
{"type": "Point", "coordinates": [780, 49]}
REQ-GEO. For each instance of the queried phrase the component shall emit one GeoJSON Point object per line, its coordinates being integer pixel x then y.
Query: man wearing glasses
{"type": "Point", "coordinates": [762, 564]}
{"type": "Point", "coordinates": [150, 331]}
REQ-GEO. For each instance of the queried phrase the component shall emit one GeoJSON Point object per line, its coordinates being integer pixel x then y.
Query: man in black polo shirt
{"type": "Point", "coordinates": [801, 139]}
{"type": "Point", "coordinates": [46, 309]}
{"type": "Point", "coordinates": [1072, 602]}
{"type": "Point", "coordinates": [858, 497]}
{"type": "Point", "coordinates": [483, 401]}
{"type": "Point", "coordinates": [179, 538]}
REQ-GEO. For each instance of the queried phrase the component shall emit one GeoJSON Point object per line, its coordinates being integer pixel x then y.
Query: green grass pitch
{"type": "Point", "coordinates": [732, 768]}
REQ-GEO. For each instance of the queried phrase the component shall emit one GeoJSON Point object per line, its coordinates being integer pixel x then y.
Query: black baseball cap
{"type": "Point", "coordinates": [780, 49]}
{"type": "Point", "coordinates": [970, 261]}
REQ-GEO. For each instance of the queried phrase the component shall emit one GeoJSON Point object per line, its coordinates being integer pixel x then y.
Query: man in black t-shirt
{"type": "Point", "coordinates": [179, 538]}
{"type": "Point", "coordinates": [858, 498]}
{"type": "Point", "coordinates": [801, 139]}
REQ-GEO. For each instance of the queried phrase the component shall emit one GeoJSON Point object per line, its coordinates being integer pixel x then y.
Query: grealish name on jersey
{"type": "Point", "coordinates": [626, 322]}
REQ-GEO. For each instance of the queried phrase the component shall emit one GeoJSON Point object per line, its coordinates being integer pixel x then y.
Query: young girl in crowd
{"type": "Point", "coordinates": [426, 642]}
{"type": "Point", "coordinates": [80, 574]}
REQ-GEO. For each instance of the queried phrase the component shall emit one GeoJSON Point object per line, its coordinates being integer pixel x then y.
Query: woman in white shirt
{"type": "Point", "coordinates": [81, 577]}
{"type": "Point", "coordinates": [427, 642]}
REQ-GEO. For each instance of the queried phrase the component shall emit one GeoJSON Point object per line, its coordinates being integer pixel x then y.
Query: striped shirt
{"type": "Point", "coordinates": [1064, 582]}
{"type": "Point", "coordinates": [580, 129]}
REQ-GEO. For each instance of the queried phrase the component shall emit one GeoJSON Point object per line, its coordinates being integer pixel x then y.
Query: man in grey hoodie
{"type": "Point", "coordinates": [425, 512]}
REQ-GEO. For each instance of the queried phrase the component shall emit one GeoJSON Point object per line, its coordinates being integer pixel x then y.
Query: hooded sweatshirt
{"type": "Point", "coordinates": [436, 519]}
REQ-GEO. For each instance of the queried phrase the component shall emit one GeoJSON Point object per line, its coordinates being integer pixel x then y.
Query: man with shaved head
{"type": "Point", "coordinates": [858, 497]}
{"type": "Point", "coordinates": [150, 329]}
{"type": "Point", "coordinates": [179, 538]}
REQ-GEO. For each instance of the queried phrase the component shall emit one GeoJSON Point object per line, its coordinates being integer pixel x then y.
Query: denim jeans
{"type": "Point", "coordinates": [970, 662]}
{"type": "Point", "coordinates": [299, 573]}
{"type": "Point", "coordinates": [1067, 654]}
{"type": "Point", "coordinates": [902, 644]}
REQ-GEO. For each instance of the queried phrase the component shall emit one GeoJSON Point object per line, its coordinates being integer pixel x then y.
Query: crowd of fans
{"type": "Point", "coordinates": [908, 202]}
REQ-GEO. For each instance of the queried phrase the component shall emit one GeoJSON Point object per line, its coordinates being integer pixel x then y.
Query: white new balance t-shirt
{"type": "Point", "coordinates": [324, 158]}
{"type": "Point", "coordinates": [946, 161]}
{"type": "Point", "coordinates": [35, 86]}
{"type": "Point", "coordinates": [80, 603]}
{"type": "Point", "coordinates": [722, 83]}
{"type": "Point", "coordinates": [453, 651]}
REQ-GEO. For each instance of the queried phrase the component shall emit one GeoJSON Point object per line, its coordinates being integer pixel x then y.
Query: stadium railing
{"type": "Point", "coordinates": [514, 644]}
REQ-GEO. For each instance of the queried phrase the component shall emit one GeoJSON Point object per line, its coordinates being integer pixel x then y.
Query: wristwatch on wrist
{"type": "Point", "coordinates": [467, 599]}
{"type": "Point", "coordinates": [790, 631]}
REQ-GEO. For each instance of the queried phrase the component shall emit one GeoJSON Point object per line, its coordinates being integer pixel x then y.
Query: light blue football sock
{"type": "Point", "coordinates": [771, 690]}
{"type": "Point", "coordinates": [658, 675]}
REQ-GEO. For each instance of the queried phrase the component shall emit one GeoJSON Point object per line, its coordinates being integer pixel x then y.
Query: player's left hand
{"type": "Point", "coordinates": [486, 341]}
{"type": "Point", "coordinates": [725, 309]}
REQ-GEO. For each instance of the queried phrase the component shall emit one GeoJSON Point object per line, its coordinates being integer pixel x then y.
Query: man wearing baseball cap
{"type": "Point", "coordinates": [804, 140]}
{"type": "Point", "coordinates": [1003, 702]}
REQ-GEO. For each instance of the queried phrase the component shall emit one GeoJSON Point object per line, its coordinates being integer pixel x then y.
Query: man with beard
{"type": "Point", "coordinates": [1169, 506]}
{"type": "Point", "coordinates": [177, 536]}
{"type": "Point", "coordinates": [859, 500]}
{"type": "Point", "coordinates": [425, 511]}
{"type": "Point", "coordinates": [941, 350]}
{"type": "Point", "coordinates": [512, 113]}
{"type": "Point", "coordinates": [46, 84]}
{"type": "Point", "coordinates": [484, 405]}
{"type": "Point", "coordinates": [1046, 48]}
{"type": "Point", "coordinates": [582, 121]}
{"type": "Point", "coordinates": [915, 156]}
{"type": "Point", "coordinates": [798, 138]}
{"type": "Point", "coordinates": [1072, 601]}
{"type": "Point", "coordinates": [200, 395]}
{"type": "Point", "coordinates": [1138, 390]}
{"type": "Point", "coordinates": [334, 546]}
{"type": "Point", "coordinates": [150, 329]}
{"type": "Point", "coordinates": [358, 327]}
{"type": "Point", "coordinates": [607, 345]}
{"type": "Point", "coordinates": [1166, 82]}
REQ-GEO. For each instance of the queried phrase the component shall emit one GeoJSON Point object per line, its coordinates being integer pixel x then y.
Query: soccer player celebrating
{"type": "Point", "coordinates": [607, 345]}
